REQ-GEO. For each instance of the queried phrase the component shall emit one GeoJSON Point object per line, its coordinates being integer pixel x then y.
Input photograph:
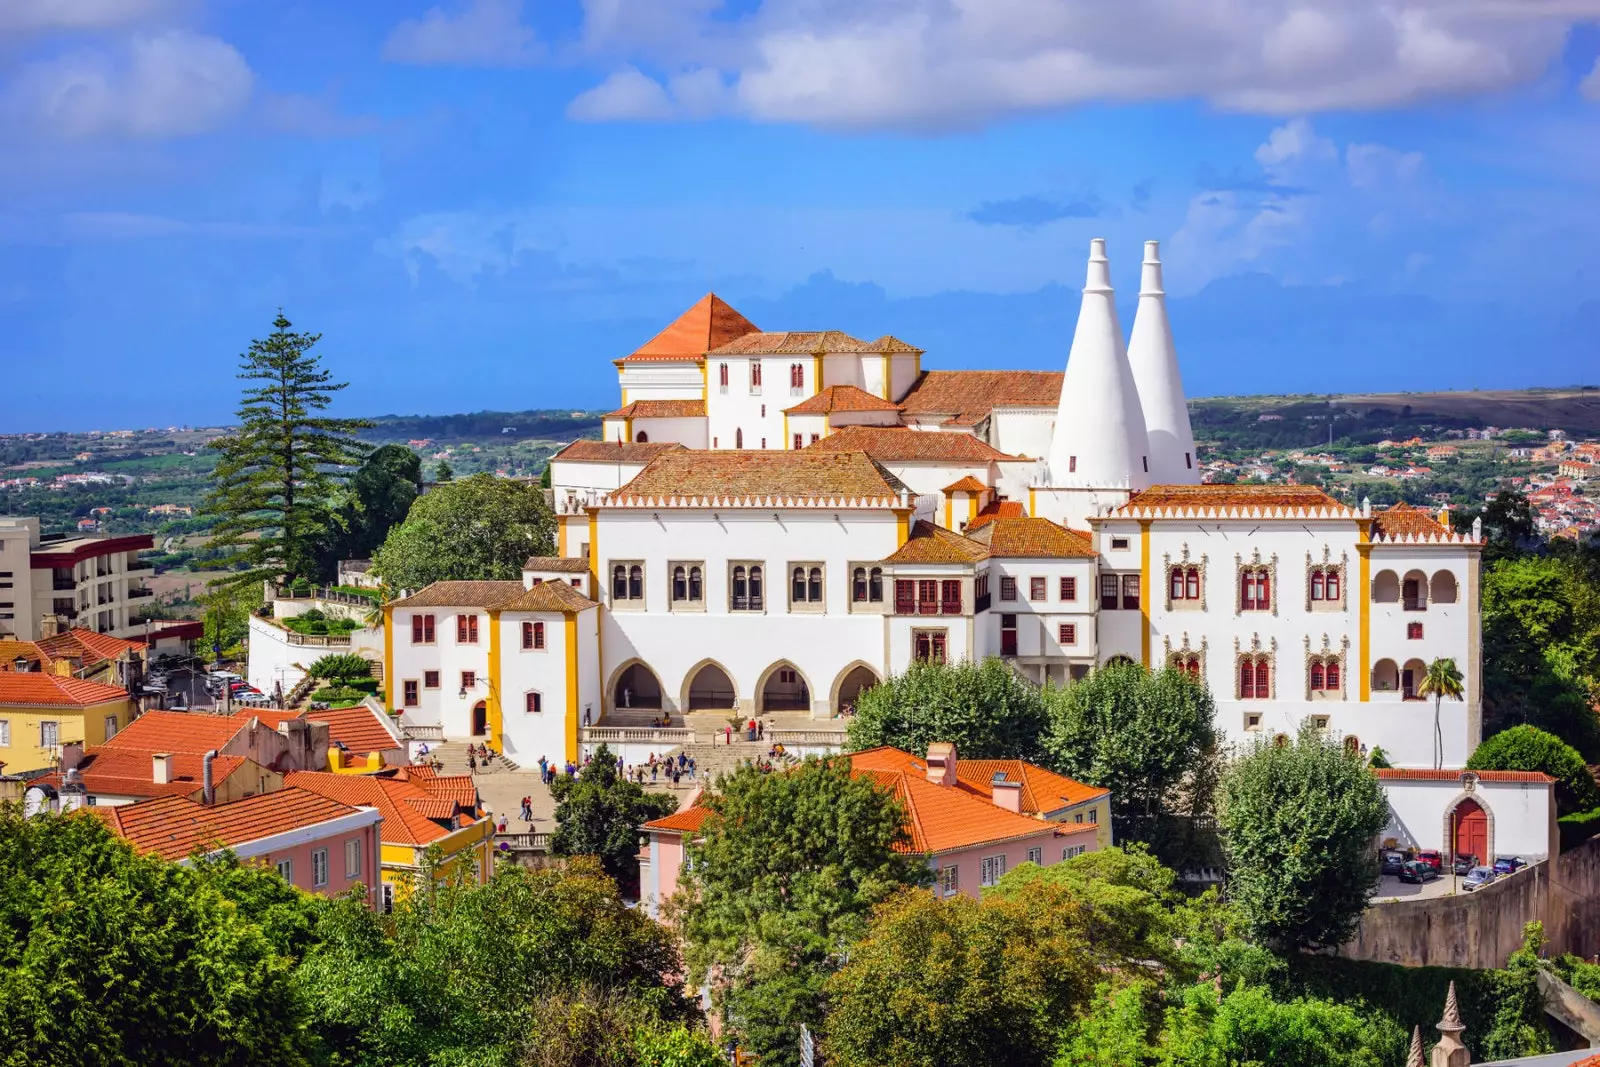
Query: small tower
{"type": "Point", "coordinates": [1414, 1057]}
{"type": "Point", "coordinates": [1450, 1052]}
{"type": "Point", "coordinates": [1154, 361]}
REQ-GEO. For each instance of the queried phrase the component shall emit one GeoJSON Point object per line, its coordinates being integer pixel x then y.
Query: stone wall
{"type": "Point", "coordinates": [1480, 929]}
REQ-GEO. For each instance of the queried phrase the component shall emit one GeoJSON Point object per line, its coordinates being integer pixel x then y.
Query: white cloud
{"type": "Point", "coordinates": [1590, 87]}
{"type": "Point", "coordinates": [1374, 166]}
{"type": "Point", "coordinates": [171, 84]}
{"type": "Point", "coordinates": [39, 16]}
{"type": "Point", "coordinates": [299, 115]}
{"type": "Point", "coordinates": [487, 33]}
{"type": "Point", "coordinates": [626, 95]}
{"type": "Point", "coordinates": [940, 63]}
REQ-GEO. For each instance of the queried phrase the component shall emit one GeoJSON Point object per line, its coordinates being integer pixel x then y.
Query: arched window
{"type": "Point", "coordinates": [1318, 586]}
{"type": "Point", "coordinates": [755, 589]}
{"type": "Point", "coordinates": [1352, 745]}
{"type": "Point", "coordinates": [641, 437]}
{"type": "Point", "coordinates": [635, 582]}
{"type": "Point", "coordinates": [755, 374]}
{"type": "Point", "coordinates": [1442, 589]}
{"type": "Point", "coordinates": [741, 590]}
{"type": "Point", "coordinates": [858, 585]}
{"type": "Point", "coordinates": [1255, 589]}
{"type": "Point", "coordinates": [1414, 592]}
{"type": "Point", "coordinates": [1255, 678]}
{"type": "Point", "coordinates": [738, 438]}
{"type": "Point", "coordinates": [619, 582]}
{"type": "Point", "coordinates": [1332, 675]}
{"type": "Point", "coordinates": [533, 703]}
{"type": "Point", "coordinates": [1186, 583]}
{"type": "Point", "coordinates": [797, 376]}
{"type": "Point", "coordinates": [797, 591]}
{"type": "Point", "coordinates": [814, 585]}
{"type": "Point", "coordinates": [875, 585]}
{"type": "Point", "coordinates": [1187, 662]}
{"type": "Point", "coordinates": [1317, 681]}
{"type": "Point", "coordinates": [696, 592]}
{"type": "Point", "coordinates": [1177, 583]}
{"type": "Point", "coordinates": [680, 583]}
{"type": "Point", "coordinates": [722, 375]}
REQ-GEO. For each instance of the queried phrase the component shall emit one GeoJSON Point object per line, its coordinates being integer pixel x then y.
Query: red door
{"type": "Point", "coordinates": [1471, 830]}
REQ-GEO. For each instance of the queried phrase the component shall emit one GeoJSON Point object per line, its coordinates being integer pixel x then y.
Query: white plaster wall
{"type": "Point", "coordinates": [841, 419]}
{"type": "Point", "coordinates": [1012, 479]}
{"type": "Point", "coordinates": [904, 369]}
{"type": "Point", "coordinates": [444, 705]}
{"type": "Point", "coordinates": [805, 426]}
{"type": "Point", "coordinates": [1039, 621]}
{"type": "Point", "coordinates": [584, 475]}
{"type": "Point", "coordinates": [757, 410]}
{"type": "Point", "coordinates": [660, 381]}
{"type": "Point", "coordinates": [1521, 813]}
{"type": "Point", "coordinates": [691, 433]}
{"type": "Point", "coordinates": [529, 736]}
{"type": "Point", "coordinates": [926, 478]}
{"type": "Point", "coordinates": [1022, 431]}
{"type": "Point", "coordinates": [847, 370]}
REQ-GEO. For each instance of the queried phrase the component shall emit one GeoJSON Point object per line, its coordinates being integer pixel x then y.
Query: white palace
{"type": "Point", "coordinates": [776, 520]}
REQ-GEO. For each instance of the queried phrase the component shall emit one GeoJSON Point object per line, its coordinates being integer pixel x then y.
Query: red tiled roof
{"type": "Point", "coordinates": [966, 484]}
{"type": "Point", "coordinates": [548, 596]}
{"type": "Point", "coordinates": [709, 324]}
{"type": "Point", "coordinates": [86, 645]}
{"type": "Point", "coordinates": [1034, 538]}
{"type": "Point", "coordinates": [178, 731]}
{"type": "Point", "coordinates": [688, 821]}
{"type": "Point", "coordinates": [1403, 520]}
{"type": "Point", "coordinates": [485, 594]}
{"type": "Point", "coordinates": [793, 343]}
{"type": "Point", "coordinates": [970, 395]}
{"type": "Point", "coordinates": [1293, 497]}
{"type": "Point", "coordinates": [661, 409]}
{"type": "Point", "coordinates": [39, 688]}
{"type": "Point", "coordinates": [893, 444]}
{"type": "Point", "coordinates": [808, 473]}
{"type": "Point", "coordinates": [10, 649]}
{"type": "Point", "coordinates": [934, 544]}
{"type": "Point", "coordinates": [557, 564]}
{"type": "Point", "coordinates": [1422, 774]}
{"type": "Point", "coordinates": [173, 827]}
{"type": "Point", "coordinates": [130, 772]}
{"type": "Point", "coordinates": [997, 509]}
{"type": "Point", "coordinates": [268, 717]}
{"type": "Point", "coordinates": [357, 728]}
{"type": "Point", "coordinates": [841, 398]}
{"type": "Point", "coordinates": [614, 451]}
{"type": "Point", "coordinates": [403, 823]}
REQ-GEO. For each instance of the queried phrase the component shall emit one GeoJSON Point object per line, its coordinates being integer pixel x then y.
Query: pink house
{"type": "Point", "coordinates": [974, 819]}
{"type": "Point", "coordinates": [316, 843]}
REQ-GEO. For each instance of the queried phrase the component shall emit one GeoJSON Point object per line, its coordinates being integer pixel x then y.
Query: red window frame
{"type": "Point", "coordinates": [755, 372]}
{"type": "Point", "coordinates": [412, 697]}
{"type": "Point", "coordinates": [1008, 588]}
{"type": "Point", "coordinates": [1130, 592]}
{"type": "Point", "coordinates": [533, 635]}
{"type": "Point", "coordinates": [799, 442]}
{"type": "Point", "coordinates": [1067, 633]}
{"type": "Point", "coordinates": [469, 679]}
{"type": "Point", "coordinates": [927, 596]}
{"type": "Point", "coordinates": [1037, 589]}
{"type": "Point", "coordinates": [950, 596]}
{"type": "Point", "coordinates": [722, 375]}
{"type": "Point", "coordinates": [533, 703]}
{"type": "Point", "coordinates": [1069, 589]}
{"type": "Point", "coordinates": [1255, 589]}
{"type": "Point", "coordinates": [422, 629]}
{"type": "Point", "coordinates": [928, 646]}
{"type": "Point", "coordinates": [905, 596]}
{"type": "Point", "coordinates": [430, 679]}
{"type": "Point", "coordinates": [1413, 631]}
{"type": "Point", "coordinates": [466, 629]}
{"type": "Point", "coordinates": [1109, 585]}
{"type": "Point", "coordinates": [1331, 676]}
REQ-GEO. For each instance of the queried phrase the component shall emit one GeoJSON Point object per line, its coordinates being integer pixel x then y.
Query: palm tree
{"type": "Point", "coordinates": [1442, 680]}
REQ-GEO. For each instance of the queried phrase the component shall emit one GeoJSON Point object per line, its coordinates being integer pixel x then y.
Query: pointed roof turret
{"type": "Point", "coordinates": [1414, 1057]}
{"type": "Point", "coordinates": [1450, 1051]}
{"type": "Point", "coordinates": [710, 323]}
{"type": "Point", "coordinates": [1099, 439]}
{"type": "Point", "coordinates": [1154, 360]}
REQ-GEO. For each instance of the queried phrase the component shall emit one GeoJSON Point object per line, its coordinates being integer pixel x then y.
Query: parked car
{"type": "Point", "coordinates": [1433, 858]}
{"type": "Point", "coordinates": [1477, 878]}
{"type": "Point", "coordinates": [1418, 872]}
{"type": "Point", "coordinates": [1463, 864]}
{"type": "Point", "coordinates": [1391, 860]}
{"type": "Point", "coordinates": [1508, 864]}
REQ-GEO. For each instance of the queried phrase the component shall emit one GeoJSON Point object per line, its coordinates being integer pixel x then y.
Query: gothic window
{"type": "Point", "coordinates": [722, 375]}
{"type": "Point", "coordinates": [1255, 677]}
{"type": "Point", "coordinates": [1255, 589]}
{"type": "Point", "coordinates": [1325, 586]}
{"type": "Point", "coordinates": [1187, 662]}
{"type": "Point", "coordinates": [1184, 581]}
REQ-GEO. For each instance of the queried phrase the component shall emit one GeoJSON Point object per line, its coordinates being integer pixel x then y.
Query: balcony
{"type": "Point", "coordinates": [140, 593]}
{"type": "Point", "coordinates": [139, 566]}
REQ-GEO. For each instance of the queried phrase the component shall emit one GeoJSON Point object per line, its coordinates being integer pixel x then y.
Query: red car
{"type": "Point", "coordinates": [1433, 858]}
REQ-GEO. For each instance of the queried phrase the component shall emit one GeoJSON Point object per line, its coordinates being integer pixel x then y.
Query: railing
{"type": "Point", "coordinates": [536, 842]}
{"type": "Point", "coordinates": [644, 735]}
{"type": "Point", "coordinates": [806, 737]}
{"type": "Point", "coordinates": [317, 640]}
{"type": "Point", "coordinates": [333, 596]}
{"type": "Point", "coordinates": [140, 565]}
{"type": "Point", "coordinates": [135, 594]}
{"type": "Point", "coordinates": [63, 584]}
{"type": "Point", "coordinates": [421, 731]}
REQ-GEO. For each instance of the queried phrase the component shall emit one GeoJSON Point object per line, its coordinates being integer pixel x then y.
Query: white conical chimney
{"type": "Point", "coordinates": [1154, 360]}
{"type": "Point", "coordinates": [1099, 439]}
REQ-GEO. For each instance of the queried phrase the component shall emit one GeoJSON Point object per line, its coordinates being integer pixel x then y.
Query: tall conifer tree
{"type": "Point", "coordinates": [275, 478]}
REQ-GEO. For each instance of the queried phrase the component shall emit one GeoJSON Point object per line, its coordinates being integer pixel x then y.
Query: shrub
{"type": "Point", "coordinates": [1528, 748]}
{"type": "Point", "coordinates": [1579, 827]}
{"type": "Point", "coordinates": [316, 626]}
{"type": "Point", "coordinates": [312, 615]}
{"type": "Point", "coordinates": [338, 696]}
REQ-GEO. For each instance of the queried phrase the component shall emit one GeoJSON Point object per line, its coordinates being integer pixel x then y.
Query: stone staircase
{"type": "Point", "coordinates": [453, 757]}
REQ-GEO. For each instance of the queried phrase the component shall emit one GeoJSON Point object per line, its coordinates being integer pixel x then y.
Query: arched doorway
{"type": "Point", "coordinates": [637, 687]}
{"type": "Point", "coordinates": [785, 689]}
{"type": "Point", "coordinates": [856, 680]}
{"type": "Point", "coordinates": [710, 689]}
{"type": "Point", "coordinates": [641, 437]}
{"type": "Point", "coordinates": [1469, 830]}
{"type": "Point", "coordinates": [480, 719]}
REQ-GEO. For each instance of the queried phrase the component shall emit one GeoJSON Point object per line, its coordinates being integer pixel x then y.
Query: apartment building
{"type": "Point", "coordinates": [51, 585]}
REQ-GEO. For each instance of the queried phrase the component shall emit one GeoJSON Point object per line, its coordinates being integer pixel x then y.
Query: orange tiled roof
{"type": "Point", "coordinates": [966, 484]}
{"type": "Point", "coordinates": [173, 827]}
{"type": "Point", "coordinates": [892, 344]}
{"type": "Point", "coordinates": [687, 821]}
{"type": "Point", "coordinates": [403, 823]}
{"type": "Point", "coordinates": [661, 409]}
{"type": "Point", "coordinates": [929, 543]}
{"type": "Point", "coordinates": [10, 649]}
{"type": "Point", "coordinates": [131, 773]}
{"type": "Point", "coordinates": [178, 731]}
{"type": "Point", "coordinates": [808, 473]}
{"type": "Point", "coordinates": [39, 688]}
{"type": "Point", "coordinates": [548, 596]}
{"type": "Point", "coordinates": [1034, 538]}
{"type": "Point", "coordinates": [558, 564]}
{"type": "Point", "coordinates": [614, 451]}
{"type": "Point", "coordinates": [841, 398]}
{"type": "Point", "coordinates": [997, 509]}
{"type": "Point", "coordinates": [462, 595]}
{"type": "Point", "coordinates": [1403, 520]}
{"type": "Point", "coordinates": [894, 444]}
{"type": "Point", "coordinates": [709, 324]}
{"type": "Point", "coordinates": [1429, 775]}
{"type": "Point", "coordinates": [87, 646]}
{"type": "Point", "coordinates": [793, 343]}
{"type": "Point", "coordinates": [268, 717]}
{"type": "Point", "coordinates": [357, 728]}
{"type": "Point", "coordinates": [1201, 497]}
{"type": "Point", "coordinates": [970, 395]}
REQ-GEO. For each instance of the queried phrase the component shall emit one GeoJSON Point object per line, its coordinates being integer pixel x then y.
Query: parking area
{"type": "Point", "coordinates": [1392, 889]}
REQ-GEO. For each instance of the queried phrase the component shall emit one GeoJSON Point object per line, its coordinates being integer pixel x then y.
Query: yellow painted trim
{"type": "Point", "coordinates": [902, 525]}
{"type": "Point", "coordinates": [705, 382]}
{"type": "Point", "coordinates": [886, 386]}
{"type": "Point", "coordinates": [827, 424]}
{"type": "Point", "coordinates": [787, 441]}
{"type": "Point", "coordinates": [816, 374]}
{"type": "Point", "coordinates": [572, 685]}
{"type": "Point", "coordinates": [1144, 591]}
{"type": "Point", "coordinates": [561, 536]}
{"type": "Point", "coordinates": [972, 508]}
{"type": "Point", "coordinates": [624, 397]}
{"type": "Point", "coordinates": [949, 511]}
{"type": "Point", "coordinates": [594, 554]}
{"type": "Point", "coordinates": [496, 709]}
{"type": "Point", "coordinates": [1364, 638]}
{"type": "Point", "coordinates": [388, 657]}
{"type": "Point", "coordinates": [1033, 504]}
{"type": "Point", "coordinates": [627, 429]}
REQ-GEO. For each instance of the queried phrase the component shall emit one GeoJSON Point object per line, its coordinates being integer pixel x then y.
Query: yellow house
{"type": "Point", "coordinates": [420, 811]}
{"type": "Point", "coordinates": [40, 711]}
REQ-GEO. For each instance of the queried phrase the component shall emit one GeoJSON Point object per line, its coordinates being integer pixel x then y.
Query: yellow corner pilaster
{"type": "Point", "coordinates": [1033, 504]}
{"type": "Point", "coordinates": [627, 429]}
{"type": "Point", "coordinates": [571, 636]}
{"type": "Point", "coordinates": [1364, 639]}
{"type": "Point", "coordinates": [496, 711]}
{"type": "Point", "coordinates": [705, 381]}
{"type": "Point", "coordinates": [903, 525]}
{"type": "Point", "coordinates": [561, 536]}
{"type": "Point", "coordinates": [816, 374]}
{"type": "Point", "coordinates": [787, 443]}
{"type": "Point", "coordinates": [388, 657]}
{"type": "Point", "coordinates": [1144, 591]}
{"type": "Point", "coordinates": [594, 555]}
{"type": "Point", "coordinates": [949, 511]}
{"type": "Point", "coordinates": [887, 387]}
{"type": "Point", "coordinates": [972, 508]}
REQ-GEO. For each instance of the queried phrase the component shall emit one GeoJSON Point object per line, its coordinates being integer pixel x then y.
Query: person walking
{"type": "Point", "coordinates": [691, 768]}
{"type": "Point", "coordinates": [544, 765]}
{"type": "Point", "coordinates": [727, 732]}
{"type": "Point", "coordinates": [472, 762]}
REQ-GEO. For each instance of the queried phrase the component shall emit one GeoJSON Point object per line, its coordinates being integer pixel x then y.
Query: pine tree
{"type": "Point", "coordinates": [275, 478]}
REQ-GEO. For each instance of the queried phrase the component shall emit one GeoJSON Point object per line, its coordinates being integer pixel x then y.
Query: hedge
{"type": "Point", "coordinates": [1579, 827]}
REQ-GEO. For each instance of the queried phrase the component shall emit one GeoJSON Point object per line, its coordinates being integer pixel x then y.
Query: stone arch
{"type": "Point", "coordinates": [847, 686]}
{"type": "Point", "coordinates": [709, 693]}
{"type": "Point", "coordinates": [1119, 660]}
{"type": "Point", "coordinates": [641, 437]}
{"type": "Point", "coordinates": [1386, 676]}
{"type": "Point", "coordinates": [1414, 590]}
{"type": "Point", "coordinates": [1413, 671]}
{"type": "Point", "coordinates": [1386, 587]}
{"type": "Point", "coordinates": [1450, 823]}
{"type": "Point", "coordinates": [784, 695]}
{"type": "Point", "coordinates": [645, 691]}
{"type": "Point", "coordinates": [1443, 588]}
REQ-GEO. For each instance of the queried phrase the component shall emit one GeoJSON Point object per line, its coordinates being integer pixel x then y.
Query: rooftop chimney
{"type": "Point", "coordinates": [1007, 794]}
{"type": "Point", "coordinates": [161, 768]}
{"type": "Point", "coordinates": [942, 763]}
{"type": "Point", "coordinates": [208, 784]}
{"type": "Point", "coordinates": [49, 625]}
{"type": "Point", "coordinates": [1154, 361]}
{"type": "Point", "coordinates": [71, 755]}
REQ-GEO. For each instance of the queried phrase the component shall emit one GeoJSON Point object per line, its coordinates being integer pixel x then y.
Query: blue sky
{"type": "Point", "coordinates": [481, 203]}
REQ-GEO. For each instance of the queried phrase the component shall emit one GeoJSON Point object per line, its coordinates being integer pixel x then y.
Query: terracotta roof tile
{"type": "Point", "coordinates": [462, 595]}
{"type": "Point", "coordinates": [548, 596]}
{"type": "Point", "coordinates": [87, 645]}
{"type": "Point", "coordinates": [1033, 538]}
{"type": "Point", "coordinates": [557, 564]}
{"type": "Point", "coordinates": [661, 409]}
{"type": "Point", "coordinates": [1429, 775]}
{"type": "Point", "coordinates": [1403, 520]}
{"type": "Point", "coordinates": [358, 729]}
{"type": "Point", "coordinates": [997, 509]}
{"type": "Point", "coordinates": [124, 772]}
{"type": "Point", "coordinates": [43, 688]}
{"type": "Point", "coordinates": [970, 395]}
{"type": "Point", "coordinates": [173, 827]}
{"type": "Point", "coordinates": [896, 444]}
{"type": "Point", "coordinates": [967, 484]}
{"type": "Point", "coordinates": [403, 824]}
{"type": "Point", "coordinates": [687, 821]}
{"type": "Point", "coordinates": [808, 473]}
{"type": "Point", "coordinates": [891, 344]}
{"type": "Point", "coordinates": [1202, 497]}
{"type": "Point", "coordinates": [841, 398]}
{"type": "Point", "coordinates": [793, 342]}
{"type": "Point", "coordinates": [191, 732]}
{"type": "Point", "coordinates": [707, 325]}
{"type": "Point", "coordinates": [29, 650]}
{"type": "Point", "coordinates": [614, 451]}
{"type": "Point", "coordinates": [934, 544]}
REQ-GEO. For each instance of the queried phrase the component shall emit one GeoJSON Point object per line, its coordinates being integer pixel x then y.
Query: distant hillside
{"type": "Point", "coordinates": [558, 425]}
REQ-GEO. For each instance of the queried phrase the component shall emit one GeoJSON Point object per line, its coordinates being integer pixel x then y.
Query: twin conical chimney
{"type": "Point", "coordinates": [1154, 361]}
{"type": "Point", "coordinates": [1100, 439]}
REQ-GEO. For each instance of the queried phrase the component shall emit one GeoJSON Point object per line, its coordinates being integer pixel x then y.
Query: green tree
{"type": "Point", "coordinates": [274, 481]}
{"type": "Point", "coordinates": [1528, 748]}
{"type": "Point", "coordinates": [341, 667]}
{"type": "Point", "coordinates": [1147, 737]}
{"type": "Point", "coordinates": [984, 708]}
{"type": "Point", "coordinates": [1443, 679]}
{"type": "Point", "coordinates": [111, 958]}
{"type": "Point", "coordinates": [1249, 1026]}
{"type": "Point", "coordinates": [779, 884]}
{"type": "Point", "coordinates": [378, 498]}
{"type": "Point", "coordinates": [1298, 823]}
{"type": "Point", "coordinates": [226, 617]}
{"type": "Point", "coordinates": [443, 472]}
{"type": "Point", "coordinates": [478, 529]}
{"type": "Point", "coordinates": [598, 813]}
